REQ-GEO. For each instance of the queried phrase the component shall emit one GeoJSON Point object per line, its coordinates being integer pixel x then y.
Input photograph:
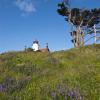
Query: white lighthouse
{"type": "Point", "coordinates": [35, 45]}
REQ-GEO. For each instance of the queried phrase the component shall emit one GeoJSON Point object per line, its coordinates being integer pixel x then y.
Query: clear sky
{"type": "Point", "coordinates": [22, 21]}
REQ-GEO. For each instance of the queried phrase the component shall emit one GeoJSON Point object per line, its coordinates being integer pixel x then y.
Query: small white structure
{"type": "Point", "coordinates": [35, 45]}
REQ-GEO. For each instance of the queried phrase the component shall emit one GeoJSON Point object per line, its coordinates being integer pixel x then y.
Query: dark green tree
{"type": "Point", "coordinates": [81, 19]}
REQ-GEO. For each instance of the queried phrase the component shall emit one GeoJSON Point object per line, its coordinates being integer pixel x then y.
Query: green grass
{"type": "Point", "coordinates": [62, 75]}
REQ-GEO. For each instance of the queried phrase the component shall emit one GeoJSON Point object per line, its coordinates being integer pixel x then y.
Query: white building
{"type": "Point", "coordinates": [35, 45]}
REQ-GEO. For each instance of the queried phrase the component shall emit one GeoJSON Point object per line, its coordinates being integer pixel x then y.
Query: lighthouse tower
{"type": "Point", "coordinates": [35, 45]}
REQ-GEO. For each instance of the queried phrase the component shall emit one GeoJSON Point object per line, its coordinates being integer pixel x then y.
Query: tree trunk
{"type": "Point", "coordinates": [78, 37]}
{"type": "Point", "coordinates": [82, 37]}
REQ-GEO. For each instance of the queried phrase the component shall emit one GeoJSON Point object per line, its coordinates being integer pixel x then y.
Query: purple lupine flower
{"type": "Point", "coordinates": [53, 94]}
{"type": "Point", "coordinates": [59, 88]}
{"type": "Point", "coordinates": [1, 87]}
{"type": "Point", "coordinates": [63, 93]}
{"type": "Point", "coordinates": [71, 94]}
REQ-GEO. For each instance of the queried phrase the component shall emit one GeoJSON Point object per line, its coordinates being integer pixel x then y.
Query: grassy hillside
{"type": "Point", "coordinates": [63, 75]}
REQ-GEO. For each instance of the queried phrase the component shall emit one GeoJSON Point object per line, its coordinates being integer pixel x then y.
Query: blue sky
{"type": "Point", "coordinates": [22, 21]}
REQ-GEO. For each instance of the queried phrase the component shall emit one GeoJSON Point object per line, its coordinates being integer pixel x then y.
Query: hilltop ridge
{"type": "Point", "coordinates": [61, 75]}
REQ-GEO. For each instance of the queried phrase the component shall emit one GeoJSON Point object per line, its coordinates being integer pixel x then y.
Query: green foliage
{"type": "Point", "coordinates": [71, 75]}
{"type": "Point", "coordinates": [82, 21]}
{"type": "Point", "coordinates": [77, 16]}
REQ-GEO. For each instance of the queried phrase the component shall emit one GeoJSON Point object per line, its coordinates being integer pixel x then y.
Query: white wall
{"type": "Point", "coordinates": [35, 47]}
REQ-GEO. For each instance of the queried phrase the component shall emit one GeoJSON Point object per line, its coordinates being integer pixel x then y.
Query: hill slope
{"type": "Point", "coordinates": [63, 75]}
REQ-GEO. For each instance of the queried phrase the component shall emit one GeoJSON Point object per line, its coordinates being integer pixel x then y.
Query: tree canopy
{"type": "Point", "coordinates": [79, 18]}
